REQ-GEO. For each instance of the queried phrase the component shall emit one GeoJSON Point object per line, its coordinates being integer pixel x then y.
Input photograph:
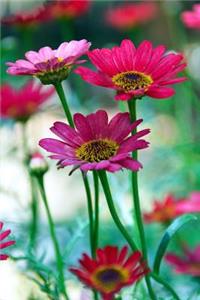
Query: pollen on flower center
{"type": "Point", "coordinates": [97, 150]}
{"type": "Point", "coordinates": [132, 80]}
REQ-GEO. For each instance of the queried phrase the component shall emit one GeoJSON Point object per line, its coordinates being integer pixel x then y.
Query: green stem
{"type": "Point", "coordinates": [59, 261]}
{"type": "Point", "coordinates": [90, 211]}
{"type": "Point", "coordinates": [136, 200]}
{"type": "Point", "coordinates": [113, 212]}
{"type": "Point", "coordinates": [33, 204]}
{"type": "Point", "coordinates": [61, 94]}
{"type": "Point", "coordinates": [96, 211]}
{"type": "Point", "coordinates": [165, 284]}
{"type": "Point", "coordinates": [66, 109]}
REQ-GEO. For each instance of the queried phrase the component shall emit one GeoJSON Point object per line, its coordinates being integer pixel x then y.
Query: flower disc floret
{"type": "Point", "coordinates": [96, 143]}
{"type": "Point", "coordinates": [111, 271]}
{"type": "Point", "coordinates": [50, 66]}
{"type": "Point", "coordinates": [135, 72]}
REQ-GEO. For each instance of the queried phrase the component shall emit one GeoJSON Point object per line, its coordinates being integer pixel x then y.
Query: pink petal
{"type": "Point", "coordinates": [131, 164]}
{"type": "Point", "coordinates": [160, 92]}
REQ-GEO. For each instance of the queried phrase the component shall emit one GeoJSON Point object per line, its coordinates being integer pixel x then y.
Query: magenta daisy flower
{"type": "Point", "coordinates": [95, 143]}
{"type": "Point", "coordinates": [50, 66]}
{"type": "Point", "coordinates": [134, 72]}
{"type": "Point", "coordinates": [3, 236]}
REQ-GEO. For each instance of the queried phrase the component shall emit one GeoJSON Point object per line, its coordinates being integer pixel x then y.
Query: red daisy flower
{"type": "Point", "coordinates": [67, 8]}
{"type": "Point", "coordinates": [27, 18]}
{"type": "Point", "coordinates": [129, 15]}
{"type": "Point", "coordinates": [96, 144]}
{"type": "Point", "coordinates": [111, 270]}
{"type": "Point", "coordinates": [188, 264]}
{"type": "Point", "coordinates": [134, 72]}
{"type": "Point", "coordinates": [191, 19]}
{"type": "Point", "coordinates": [172, 207]}
{"type": "Point", "coordinates": [3, 235]}
{"type": "Point", "coordinates": [21, 103]}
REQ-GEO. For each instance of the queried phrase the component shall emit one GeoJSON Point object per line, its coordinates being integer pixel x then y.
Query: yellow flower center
{"type": "Point", "coordinates": [132, 80]}
{"type": "Point", "coordinates": [97, 150]}
{"type": "Point", "coordinates": [108, 278]}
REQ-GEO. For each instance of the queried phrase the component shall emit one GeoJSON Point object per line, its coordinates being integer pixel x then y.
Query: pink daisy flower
{"type": "Point", "coordinates": [191, 19]}
{"type": "Point", "coordinates": [4, 235]}
{"type": "Point", "coordinates": [134, 72]}
{"type": "Point", "coordinates": [21, 103]}
{"type": "Point", "coordinates": [50, 66]}
{"type": "Point", "coordinates": [95, 143]}
{"type": "Point", "coordinates": [187, 264]}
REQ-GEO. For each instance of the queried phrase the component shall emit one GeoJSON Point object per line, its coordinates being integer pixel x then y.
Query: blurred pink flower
{"type": "Point", "coordinates": [21, 103]}
{"type": "Point", "coordinates": [50, 66]}
{"type": "Point", "coordinates": [191, 19]}
{"type": "Point", "coordinates": [171, 207]}
{"type": "Point", "coordinates": [129, 15]}
{"type": "Point", "coordinates": [67, 8]}
{"type": "Point", "coordinates": [134, 72]}
{"type": "Point", "coordinates": [96, 144]}
{"type": "Point", "coordinates": [3, 245]}
{"type": "Point", "coordinates": [26, 18]}
{"type": "Point", "coordinates": [187, 264]}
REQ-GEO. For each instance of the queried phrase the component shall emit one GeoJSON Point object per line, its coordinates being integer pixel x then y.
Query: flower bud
{"type": "Point", "coordinates": [37, 164]}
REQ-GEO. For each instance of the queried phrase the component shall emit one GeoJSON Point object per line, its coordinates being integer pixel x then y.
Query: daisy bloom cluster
{"type": "Point", "coordinates": [26, 18]}
{"type": "Point", "coordinates": [171, 207]}
{"type": "Point", "coordinates": [191, 19]}
{"type": "Point", "coordinates": [50, 66]}
{"type": "Point", "coordinates": [96, 143]}
{"type": "Point", "coordinates": [187, 264]}
{"type": "Point", "coordinates": [67, 8]}
{"type": "Point", "coordinates": [135, 72]}
{"type": "Point", "coordinates": [111, 270]}
{"type": "Point", "coordinates": [129, 15]}
{"type": "Point", "coordinates": [4, 244]}
{"type": "Point", "coordinates": [20, 104]}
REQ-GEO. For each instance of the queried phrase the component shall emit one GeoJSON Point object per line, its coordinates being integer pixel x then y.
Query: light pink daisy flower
{"type": "Point", "coordinates": [95, 143]}
{"type": "Point", "coordinates": [50, 66]}
{"type": "Point", "coordinates": [135, 72]}
{"type": "Point", "coordinates": [4, 235]}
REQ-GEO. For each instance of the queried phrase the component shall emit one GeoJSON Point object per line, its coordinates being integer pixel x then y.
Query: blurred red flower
{"type": "Point", "coordinates": [111, 270]}
{"type": "Point", "coordinates": [135, 72]}
{"type": "Point", "coordinates": [20, 103]}
{"type": "Point", "coordinates": [172, 207]}
{"type": "Point", "coordinates": [187, 264]}
{"type": "Point", "coordinates": [129, 15]}
{"type": "Point", "coordinates": [4, 235]}
{"type": "Point", "coordinates": [191, 19]}
{"type": "Point", "coordinates": [27, 18]}
{"type": "Point", "coordinates": [67, 8]}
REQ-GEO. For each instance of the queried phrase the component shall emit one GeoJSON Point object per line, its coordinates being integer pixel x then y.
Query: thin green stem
{"type": "Point", "coordinates": [33, 204]}
{"type": "Point", "coordinates": [90, 211]}
{"type": "Point", "coordinates": [96, 211]}
{"type": "Point", "coordinates": [113, 212]}
{"type": "Point", "coordinates": [136, 200]}
{"type": "Point", "coordinates": [59, 261]}
{"type": "Point", "coordinates": [165, 284]}
{"type": "Point", "coordinates": [68, 114]}
{"type": "Point", "coordinates": [61, 94]}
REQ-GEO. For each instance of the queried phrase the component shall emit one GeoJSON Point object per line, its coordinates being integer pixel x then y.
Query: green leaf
{"type": "Point", "coordinates": [169, 233]}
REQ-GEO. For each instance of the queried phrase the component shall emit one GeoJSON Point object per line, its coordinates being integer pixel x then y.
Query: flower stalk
{"type": "Point", "coordinates": [59, 262]}
{"type": "Point", "coordinates": [136, 200]}
{"type": "Point", "coordinates": [113, 212]}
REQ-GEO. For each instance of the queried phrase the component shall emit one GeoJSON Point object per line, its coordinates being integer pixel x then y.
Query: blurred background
{"type": "Point", "coordinates": [171, 164]}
